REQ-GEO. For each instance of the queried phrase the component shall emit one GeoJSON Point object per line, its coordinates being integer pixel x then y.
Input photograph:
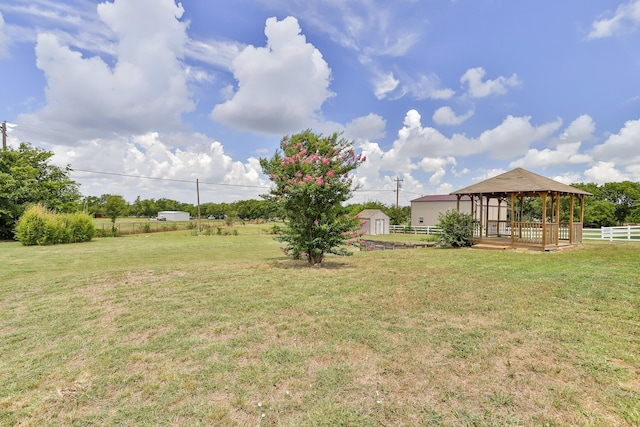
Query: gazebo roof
{"type": "Point", "coordinates": [520, 181]}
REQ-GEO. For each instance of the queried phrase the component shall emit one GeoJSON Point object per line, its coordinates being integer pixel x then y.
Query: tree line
{"type": "Point", "coordinates": [251, 209]}
{"type": "Point", "coordinates": [613, 203]}
{"type": "Point", "coordinates": [149, 208]}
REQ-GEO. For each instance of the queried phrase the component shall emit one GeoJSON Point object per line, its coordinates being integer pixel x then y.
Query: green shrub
{"type": "Point", "coordinates": [79, 227]}
{"type": "Point", "coordinates": [145, 227]}
{"type": "Point", "coordinates": [101, 232]}
{"type": "Point", "coordinates": [40, 226]}
{"type": "Point", "coordinates": [456, 228]}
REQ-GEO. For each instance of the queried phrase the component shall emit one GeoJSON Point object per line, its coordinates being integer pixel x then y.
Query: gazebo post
{"type": "Point", "coordinates": [544, 219]}
{"type": "Point", "coordinates": [498, 234]}
{"type": "Point", "coordinates": [481, 216]}
{"type": "Point", "coordinates": [513, 217]}
{"type": "Point", "coordinates": [521, 198]}
{"type": "Point", "coordinates": [581, 215]}
{"type": "Point", "coordinates": [486, 233]}
{"type": "Point", "coordinates": [557, 220]}
{"type": "Point", "coordinates": [571, 213]}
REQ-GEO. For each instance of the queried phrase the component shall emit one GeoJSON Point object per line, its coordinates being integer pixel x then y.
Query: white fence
{"type": "Point", "coordinates": [419, 229]}
{"type": "Point", "coordinates": [622, 233]}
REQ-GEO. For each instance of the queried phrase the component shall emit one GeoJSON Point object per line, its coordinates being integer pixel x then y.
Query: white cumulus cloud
{"type": "Point", "coordinates": [423, 149]}
{"type": "Point", "coordinates": [510, 138]}
{"type": "Point", "coordinates": [480, 89]}
{"type": "Point", "coordinates": [568, 153]}
{"type": "Point", "coordinates": [371, 126]}
{"type": "Point", "coordinates": [514, 136]}
{"type": "Point", "coordinates": [425, 86]}
{"type": "Point", "coordinates": [603, 172]}
{"type": "Point", "coordinates": [446, 116]}
{"type": "Point", "coordinates": [153, 155]}
{"type": "Point", "coordinates": [622, 147]}
{"type": "Point", "coordinates": [568, 178]}
{"type": "Point", "coordinates": [384, 84]}
{"type": "Point", "coordinates": [390, 85]}
{"type": "Point", "coordinates": [581, 129]}
{"type": "Point", "coordinates": [281, 87]}
{"type": "Point", "coordinates": [627, 15]}
{"type": "Point", "coordinates": [146, 87]}
{"type": "Point", "coordinates": [3, 39]}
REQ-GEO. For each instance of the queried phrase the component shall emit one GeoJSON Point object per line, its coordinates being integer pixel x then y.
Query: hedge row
{"type": "Point", "coordinates": [40, 226]}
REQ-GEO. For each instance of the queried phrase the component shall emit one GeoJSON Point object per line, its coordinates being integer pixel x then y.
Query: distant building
{"type": "Point", "coordinates": [374, 222]}
{"type": "Point", "coordinates": [174, 215]}
{"type": "Point", "coordinates": [425, 210]}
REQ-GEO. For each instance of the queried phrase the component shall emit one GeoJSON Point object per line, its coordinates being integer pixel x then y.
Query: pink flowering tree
{"type": "Point", "coordinates": [312, 178]}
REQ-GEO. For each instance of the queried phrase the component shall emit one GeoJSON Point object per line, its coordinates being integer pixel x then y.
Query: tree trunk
{"type": "Point", "coordinates": [315, 259]}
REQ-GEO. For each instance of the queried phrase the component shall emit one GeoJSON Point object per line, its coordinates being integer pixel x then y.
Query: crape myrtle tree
{"type": "Point", "coordinates": [311, 177]}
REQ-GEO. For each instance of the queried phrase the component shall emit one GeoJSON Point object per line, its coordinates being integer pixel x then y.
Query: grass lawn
{"type": "Point", "coordinates": [178, 329]}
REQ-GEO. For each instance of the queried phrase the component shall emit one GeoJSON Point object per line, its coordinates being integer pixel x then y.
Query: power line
{"type": "Point", "coordinates": [167, 179]}
{"type": "Point", "coordinates": [203, 182]}
{"type": "Point", "coordinates": [215, 183]}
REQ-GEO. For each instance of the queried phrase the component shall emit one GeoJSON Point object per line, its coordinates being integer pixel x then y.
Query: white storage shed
{"type": "Point", "coordinates": [374, 222]}
{"type": "Point", "coordinates": [174, 215]}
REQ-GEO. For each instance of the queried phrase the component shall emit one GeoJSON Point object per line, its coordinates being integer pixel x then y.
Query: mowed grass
{"type": "Point", "coordinates": [179, 329]}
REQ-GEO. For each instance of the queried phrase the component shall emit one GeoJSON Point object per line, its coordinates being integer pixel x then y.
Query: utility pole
{"type": "Point", "coordinates": [199, 218]}
{"type": "Point", "coordinates": [4, 136]}
{"type": "Point", "coordinates": [398, 181]}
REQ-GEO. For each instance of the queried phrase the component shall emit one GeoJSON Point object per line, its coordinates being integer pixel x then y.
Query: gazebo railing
{"type": "Point", "coordinates": [531, 232]}
{"type": "Point", "coordinates": [500, 228]}
{"type": "Point", "coordinates": [553, 231]}
{"type": "Point", "coordinates": [577, 232]}
{"type": "Point", "coordinates": [527, 232]}
{"type": "Point", "coordinates": [565, 228]}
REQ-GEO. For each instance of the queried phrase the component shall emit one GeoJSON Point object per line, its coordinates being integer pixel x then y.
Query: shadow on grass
{"type": "Point", "coordinates": [291, 264]}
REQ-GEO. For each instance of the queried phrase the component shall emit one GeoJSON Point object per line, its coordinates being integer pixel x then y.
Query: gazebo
{"type": "Point", "coordinates": [544, 230]}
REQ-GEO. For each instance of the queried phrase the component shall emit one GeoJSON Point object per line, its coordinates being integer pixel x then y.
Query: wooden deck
{"type": "Point", "coordinates": [502, 243]}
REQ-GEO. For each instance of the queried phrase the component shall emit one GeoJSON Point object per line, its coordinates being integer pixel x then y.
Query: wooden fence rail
{"type": "Point", "coordinates": [418, 229]}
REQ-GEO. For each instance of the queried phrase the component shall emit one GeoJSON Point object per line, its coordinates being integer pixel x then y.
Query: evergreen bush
{"type": "Point", "coordinates": [456, 228]}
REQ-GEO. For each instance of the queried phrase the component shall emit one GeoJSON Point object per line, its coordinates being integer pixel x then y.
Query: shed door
{"type": "Point", "coordinates": [379, 226]}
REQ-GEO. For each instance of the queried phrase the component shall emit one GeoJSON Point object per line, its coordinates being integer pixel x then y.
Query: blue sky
{"type": "Point", "coordinates": [438, 93]}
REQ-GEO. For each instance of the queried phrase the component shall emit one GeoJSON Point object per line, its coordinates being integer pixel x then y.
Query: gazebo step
{"type": "Point", "coordinates": [490, 246]}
